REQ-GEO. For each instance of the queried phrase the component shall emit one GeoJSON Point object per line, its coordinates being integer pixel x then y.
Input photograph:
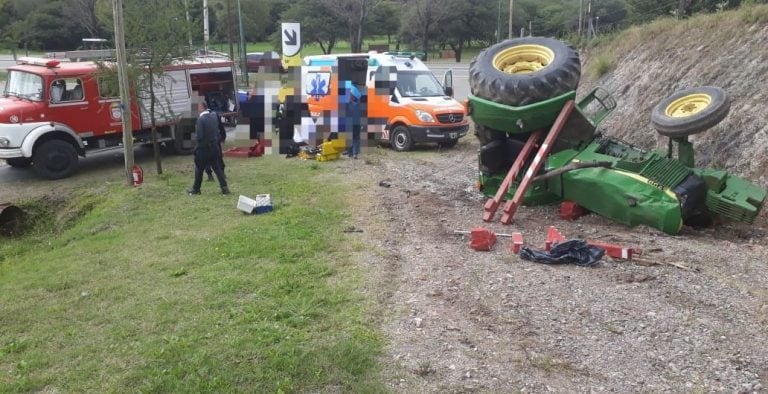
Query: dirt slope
{"type": "Point", "coordinates": [653, 61]}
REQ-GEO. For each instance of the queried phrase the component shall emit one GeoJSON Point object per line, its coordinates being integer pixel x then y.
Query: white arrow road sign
{"type": "Point", "coordinates": [291, 38]}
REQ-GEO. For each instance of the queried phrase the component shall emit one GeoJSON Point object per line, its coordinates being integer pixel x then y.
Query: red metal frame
{"type": "Point", "coordinates": [492, 204]}
{"type": "Point", "coordinates": [511, 206]}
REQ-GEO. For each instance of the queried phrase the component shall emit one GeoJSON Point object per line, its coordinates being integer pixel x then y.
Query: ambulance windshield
{"type": "Point", "coordinates": [418, 84]}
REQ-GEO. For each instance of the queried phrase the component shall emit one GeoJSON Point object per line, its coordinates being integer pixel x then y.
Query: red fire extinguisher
{"type": "Point", "coordinates": [138, 175]}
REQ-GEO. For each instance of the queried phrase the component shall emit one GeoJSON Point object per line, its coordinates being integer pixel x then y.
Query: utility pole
{"type": "Point", "coordinates": [581, 14]}
{"type": "Point", "coordinates": [243, 64]}
{"type": "Point", "coordinates": [125, 95]}
{"type": "Point", "coordinates": [590, 27]}
{"type": "Point", "coordinates": [189, 25]}
{"type": "Point", "coordinates": [498, 23]}
{"type": "Point", "coordinates": [229, 29]}
{"type": "Point", "coordinates": [511, 6]}
{"type": "Point", "coordinates": [206, 34]}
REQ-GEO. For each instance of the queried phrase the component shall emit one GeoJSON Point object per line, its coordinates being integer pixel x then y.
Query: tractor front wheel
{"type": "Point", "coordinates": [690, 111]}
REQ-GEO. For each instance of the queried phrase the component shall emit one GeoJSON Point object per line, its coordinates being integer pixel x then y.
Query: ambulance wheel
{"type": "Point", "coordinates": [486, 135]}
{"type": "Point", "coordinates": [523, 71]}
{"type": "Point", "coordinates": [55, 159]}
{"type": "Point", "coordinates": [690, 111]}
{"type": "Point", "coordinates": [401, 139]}
{"type": "Point", "coordinates": [19, 162]}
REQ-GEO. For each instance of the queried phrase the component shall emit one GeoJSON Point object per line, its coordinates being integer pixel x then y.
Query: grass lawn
{"type": "Point", "coordinates": [148, 289]}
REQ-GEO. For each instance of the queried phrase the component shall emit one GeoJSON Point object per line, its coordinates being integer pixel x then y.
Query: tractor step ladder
{"type": "Point", "coordinates": [493, 203]}
{"type": "Point", "coordinates": [511, 206]}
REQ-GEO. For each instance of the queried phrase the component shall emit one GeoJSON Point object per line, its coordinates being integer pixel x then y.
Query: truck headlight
{"type": "Point", "coordinates": [425, 117]}
{"type": "Point", "coordinates": [4, 142]}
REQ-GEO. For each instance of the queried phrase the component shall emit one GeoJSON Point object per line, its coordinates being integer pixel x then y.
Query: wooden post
{"type": "Point", "coordinates": [511, 6]}
{"type": "Point", "coordinates": [125, 94]}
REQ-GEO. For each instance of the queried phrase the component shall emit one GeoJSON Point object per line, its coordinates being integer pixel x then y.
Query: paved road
{"type": "Point", "coordinates": [460, 76]}
{"type": "Point", "coordinates": [6, 61]}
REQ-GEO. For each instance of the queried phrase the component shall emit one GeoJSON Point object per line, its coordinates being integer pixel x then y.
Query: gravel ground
{"type": "Point", "coordinates": [457, 320]}
{"type": "Point", "coordinates": [691, 317]}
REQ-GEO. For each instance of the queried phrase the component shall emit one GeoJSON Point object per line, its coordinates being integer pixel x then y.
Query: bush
{"type": "Point", "coordinates": [602, 65]}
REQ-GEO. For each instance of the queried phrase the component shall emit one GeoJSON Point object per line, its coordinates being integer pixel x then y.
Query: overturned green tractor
{"type": "Point", "coordinates": [523, 101]}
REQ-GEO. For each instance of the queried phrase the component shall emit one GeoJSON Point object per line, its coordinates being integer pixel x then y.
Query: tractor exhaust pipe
{"type": "Point", "coordinates": [11, 220]}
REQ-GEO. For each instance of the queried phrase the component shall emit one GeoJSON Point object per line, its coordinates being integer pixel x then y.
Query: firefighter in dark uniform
{"type": "Point", "coordinates": [207, 151]}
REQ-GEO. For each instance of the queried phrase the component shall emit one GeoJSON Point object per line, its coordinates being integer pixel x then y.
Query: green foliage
{"type": "Point", "coordinates": [602, 65]}
{"type": "Point", "coordinates": [754, 14]}
{"type": "Point", "coordinates": [149, 289]}
{"type": "Point", "coordinates": [641, 11]}
{"type": "Point", "coordinates": [318, 25]}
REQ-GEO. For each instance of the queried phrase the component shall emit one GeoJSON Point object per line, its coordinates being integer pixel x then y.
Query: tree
{"type": "Point", "coordinates": [641, 11]}
{"type": "Point", "coordinates": [427, 15]}
{"type": "Point", "coordinates": [467, 23]}
{"type": "Point", "coordinates": [385, 19]}
{"type": "Point", "coordinates": [156, 34]}
{"type": "Point", "coordinates": [46, 28]}
{"type": "Point", "coordinates": [318, 24]}
{"type": "Point", "coordinates": [353, 14]}
{"type": "Point", "coordinates": [84, 12]}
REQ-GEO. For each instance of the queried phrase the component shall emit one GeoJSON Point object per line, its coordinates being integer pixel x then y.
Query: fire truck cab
{"type": "Point", "coordinates": [52, 112]}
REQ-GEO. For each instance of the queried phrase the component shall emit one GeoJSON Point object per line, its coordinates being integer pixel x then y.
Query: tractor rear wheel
{"type": "Point", "coordinates": [523, 71]}
{"type": "Point", "coordinates": [690, 111]}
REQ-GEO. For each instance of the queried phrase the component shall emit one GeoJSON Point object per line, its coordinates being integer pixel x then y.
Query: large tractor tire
{"type": "Point", "coordinates": [690, 111]}
{"type": "Point", "coordinates": [523, 71]}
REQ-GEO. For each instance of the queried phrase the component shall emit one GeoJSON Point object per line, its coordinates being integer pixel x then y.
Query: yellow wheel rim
{"type": "Point", "coordinates": [523, 59]}
{"type": "Point", "coordinates": [688, 105]}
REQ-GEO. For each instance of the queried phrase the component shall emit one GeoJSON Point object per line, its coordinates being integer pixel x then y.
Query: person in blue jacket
{"type": "Point", "coordinates": [353, 98]}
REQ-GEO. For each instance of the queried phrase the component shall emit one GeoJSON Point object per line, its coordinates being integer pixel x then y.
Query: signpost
{"type": "Point", "coordinates": [291, 39]}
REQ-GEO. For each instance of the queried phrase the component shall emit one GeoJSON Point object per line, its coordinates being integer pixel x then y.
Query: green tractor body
{"type": "Point", "coordinates": [632, 186]}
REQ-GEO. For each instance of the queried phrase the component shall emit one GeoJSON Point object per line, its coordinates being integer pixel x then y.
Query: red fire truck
{"type": "Point", "coordinates": [54, 111]}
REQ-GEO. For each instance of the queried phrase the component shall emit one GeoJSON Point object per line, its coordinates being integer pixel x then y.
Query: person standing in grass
{"type": "Point", "coordinates": [207, 151]}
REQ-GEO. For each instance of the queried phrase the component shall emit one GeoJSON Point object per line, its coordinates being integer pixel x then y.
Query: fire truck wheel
{"type": "Point", "coordinates": [523, 71]}
{"type": "Point", "coordinates": [401, 139]}
{"type": "Point", "coordinates": [690, 111]}
{"type": "Point", "coordinates": [486, 135]}
{"type": "Point", "coordinates": [55, 159]}
{"type": "Point", "coordinates": [20, 162]}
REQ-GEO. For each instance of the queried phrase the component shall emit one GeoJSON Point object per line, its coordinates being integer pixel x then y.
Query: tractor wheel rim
{"type": "Point", "coordinates": [523, 59]}
{"type": "Point", "coordinates": [688, 105]}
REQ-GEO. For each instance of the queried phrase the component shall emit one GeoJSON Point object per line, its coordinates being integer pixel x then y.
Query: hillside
{"type": "Point", "coordinates": [647, 63]}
